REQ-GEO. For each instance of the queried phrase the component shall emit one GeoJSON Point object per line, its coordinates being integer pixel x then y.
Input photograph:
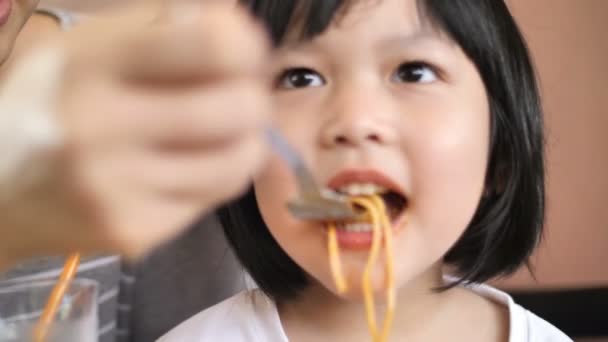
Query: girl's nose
{"type": "Point", "coordinates": [358, 122]}
{"type": "Point", "coordinates": [354, 133]}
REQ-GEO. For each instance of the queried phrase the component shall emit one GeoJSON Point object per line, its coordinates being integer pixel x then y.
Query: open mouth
{"type": "Point", "coordinates": [395, 204]}
{"type": "Point", "coordinates": [361, 183]}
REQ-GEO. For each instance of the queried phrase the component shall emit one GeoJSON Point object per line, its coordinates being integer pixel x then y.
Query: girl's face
{"type": "Point", "coordinates": [381, 98]}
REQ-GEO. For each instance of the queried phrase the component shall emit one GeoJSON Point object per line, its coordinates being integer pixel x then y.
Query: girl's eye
{"type": "Point", "coordinates": [300, 78]}
{"type": "Point", "coordinates": [417, 72]}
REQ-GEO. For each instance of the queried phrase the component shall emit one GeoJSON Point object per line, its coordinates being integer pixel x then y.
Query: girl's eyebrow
{"type": "Point", "coordinates": [392, 42]}
{"type": "Point", "coordinates": [407, 40]}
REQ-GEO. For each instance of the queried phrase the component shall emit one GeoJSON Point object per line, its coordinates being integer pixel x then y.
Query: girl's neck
{"type": "Point", "coordinates": [421, 315]}
{"type": "Point", "coordinates": [320, 312]}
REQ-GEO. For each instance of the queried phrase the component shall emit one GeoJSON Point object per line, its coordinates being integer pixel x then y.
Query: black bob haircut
{"type": "Point", "coordinates": [508, 222]}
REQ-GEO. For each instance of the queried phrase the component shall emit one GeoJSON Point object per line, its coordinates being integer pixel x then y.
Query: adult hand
{"type": "Point", "coordinates": [161, 115]}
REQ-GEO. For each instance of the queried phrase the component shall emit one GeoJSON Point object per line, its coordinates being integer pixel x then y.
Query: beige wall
{"type": "Point", "coordinates": [569, 41]}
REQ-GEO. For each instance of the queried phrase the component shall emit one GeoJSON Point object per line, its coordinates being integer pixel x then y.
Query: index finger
{"type": "Point", "coordinates": [206, 42]}
{"type": "Point", "coordinates": [209, 40]}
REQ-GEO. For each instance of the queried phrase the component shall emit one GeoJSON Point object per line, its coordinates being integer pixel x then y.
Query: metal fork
{"type": "Point", "coordinates": [312, 203]}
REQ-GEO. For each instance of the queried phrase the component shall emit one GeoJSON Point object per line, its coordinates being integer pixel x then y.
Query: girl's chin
{"type": "Point", "coordinates": [355, 290]}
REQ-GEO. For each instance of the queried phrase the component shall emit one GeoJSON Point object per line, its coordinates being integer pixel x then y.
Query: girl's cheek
{"type": "Point", "coordinates": [274, 179]}
{"type": "Point", "coordinates": [447, 153]}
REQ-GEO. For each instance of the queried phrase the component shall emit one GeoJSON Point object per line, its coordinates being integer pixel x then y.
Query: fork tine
{"type": "Point", "coordinates": [321, 210]}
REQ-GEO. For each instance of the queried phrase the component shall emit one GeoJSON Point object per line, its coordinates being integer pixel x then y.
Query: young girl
{"type": "Point", "coordinates": [431, 104]}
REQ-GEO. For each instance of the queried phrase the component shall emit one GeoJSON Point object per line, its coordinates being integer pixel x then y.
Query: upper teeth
{"type": "Point", "coordinates": [356, 227]}
{"type": "Point", "coordinates": [365, 189]}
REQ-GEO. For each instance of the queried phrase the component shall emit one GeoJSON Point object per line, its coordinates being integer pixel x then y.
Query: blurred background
{"type": "Point", "coordinates": [568, 41]}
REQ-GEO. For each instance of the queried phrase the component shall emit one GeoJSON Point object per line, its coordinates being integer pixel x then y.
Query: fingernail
{"type": "Point", "coordinates": [181, 12]}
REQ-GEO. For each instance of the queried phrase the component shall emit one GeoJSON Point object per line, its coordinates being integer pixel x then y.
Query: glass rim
{"type": "Point", "coordinates": [26, 285]}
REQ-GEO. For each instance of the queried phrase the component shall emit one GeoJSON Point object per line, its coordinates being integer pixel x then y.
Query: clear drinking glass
{"type": "Point", "coordinates": [22, 304]}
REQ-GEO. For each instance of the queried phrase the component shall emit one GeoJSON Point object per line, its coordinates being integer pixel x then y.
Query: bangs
{"type": "Point", "coordinates": [301, 19]}
{"type": "Point", "coordinates": [305, 19]}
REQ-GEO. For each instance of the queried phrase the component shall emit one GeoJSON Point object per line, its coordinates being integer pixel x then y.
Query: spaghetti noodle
{"type": "Point", "coordinates": [69, 271]}
{"type": "Point", "coordinates": [381, 228]}
{"type": "Point", "coordinates": [334, 259]}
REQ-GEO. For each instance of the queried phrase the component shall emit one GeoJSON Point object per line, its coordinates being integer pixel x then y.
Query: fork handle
{"type": "Point", "coordinates": [293, 159]}
{"type": "Point", "coordinates": [282, 147]}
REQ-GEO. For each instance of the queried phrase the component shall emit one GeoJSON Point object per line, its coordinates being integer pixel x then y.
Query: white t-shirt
{"type": "Point", "coordinates": [252, 316]}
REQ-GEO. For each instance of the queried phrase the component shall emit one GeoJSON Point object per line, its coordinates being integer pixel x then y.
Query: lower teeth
{"type": "Point", "coordinates": [356, 227]}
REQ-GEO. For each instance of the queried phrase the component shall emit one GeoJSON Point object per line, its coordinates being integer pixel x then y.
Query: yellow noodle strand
{"type": "Point", "coordinates": [389, 268]}
{"type": "Point", "coordinates": [334, 259]}
{"type": "Point", "coordinates": [368, 290]}
{"type": "Point", "coordinates": [381, 228]}
{"type": "Point", "coordinates": [46, 320]}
